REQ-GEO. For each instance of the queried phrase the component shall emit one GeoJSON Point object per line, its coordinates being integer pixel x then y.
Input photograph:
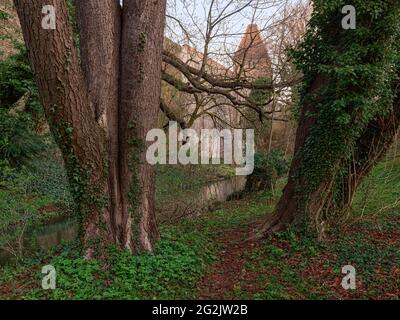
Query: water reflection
{"type": "Point", "coordinates": [220, 191]}
{"type": "Point", "coordinates": [194, 205]}
{"type": "Point", "coordinates": [53, 234]}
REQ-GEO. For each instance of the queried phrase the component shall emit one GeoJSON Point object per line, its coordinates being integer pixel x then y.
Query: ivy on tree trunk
{"type": "Point", "coordinates": [349, 90]}
{"type": "Point", "coordinates": [100, 106]}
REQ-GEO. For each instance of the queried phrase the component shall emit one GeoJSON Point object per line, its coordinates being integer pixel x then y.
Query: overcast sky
{"type": "Point", "coordinates": [193, 15]}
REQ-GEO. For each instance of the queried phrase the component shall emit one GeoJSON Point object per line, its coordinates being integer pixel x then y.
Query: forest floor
{"type": "Point", "coordinates": [292, 265]}
{"type": "Point", "coordinates": [210, 257]}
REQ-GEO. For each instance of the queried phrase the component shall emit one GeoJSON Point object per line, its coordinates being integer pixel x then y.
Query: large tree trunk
{"type": "Point", "coordinates": [70, 115]}
{"type": "Point", "coordinates": [289, 210]}
{"type": "Point", "coordinates": [100, 113]}
{"type": "Point", "coordinates": [338, 115]}
{"type": "Point", "coordinates": [143, 31]}
{"type": "Point", "coordinates": [370, 148]}
{"type": "Point", "coordinates": [100, 57]}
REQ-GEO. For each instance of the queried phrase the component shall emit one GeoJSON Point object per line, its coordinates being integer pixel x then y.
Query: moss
{"type": "Point", "coordinates": [140, 77]}
{"type": "Point", "coordinates": [141, 48]}
{"type": "Point", "coordinates": [142, 42]}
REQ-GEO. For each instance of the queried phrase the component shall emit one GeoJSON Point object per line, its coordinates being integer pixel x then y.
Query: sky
{"type": "Point", "coordinates": [193, 14]}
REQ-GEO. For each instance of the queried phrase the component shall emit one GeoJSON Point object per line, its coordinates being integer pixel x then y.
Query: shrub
{"type": "Point", "coordinates": [268, 168]}
{"type": "Point", "coordinates": [17, 212]}
{"type": "Point", "coordinates": [261, 96]}
{"type": "Point", "coordinates": [18, 139]}
{"type": "Point", "coordinates": [18, 142]}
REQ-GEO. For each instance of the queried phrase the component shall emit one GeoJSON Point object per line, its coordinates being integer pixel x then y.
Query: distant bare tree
{"type": "Point", "coordinates": [216, 72]}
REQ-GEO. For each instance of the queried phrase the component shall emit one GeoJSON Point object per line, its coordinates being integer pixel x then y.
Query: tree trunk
{"type": "Point", "coordinates": [100, 56]}
{"type": "Point", "coordinates": [338, 115]}
{"type": "Point", "coordinates": [101, 112]}
{"type": "Point", "coordinates": [371, 147]}
{"type": "Point", "coordinates": [142, 35]}
{"type": "Point", "coordinates": [70, 115]}
{"type": "Point", "coordinates": [289, 211]}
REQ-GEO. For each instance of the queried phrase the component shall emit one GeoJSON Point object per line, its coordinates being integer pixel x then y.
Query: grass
{"type": "Point", "coordinates": [294, 266]}
{"type": "Point", "coordinates": [182, 257]}
{"type": "Point", "coordinates": [290, 265]}
{"type": "Point", "coordinates": [172, 272]}
{"type": "Point", "coordinates": [380, 192]}
{"type": "Point", "coordinates": [41, 184]}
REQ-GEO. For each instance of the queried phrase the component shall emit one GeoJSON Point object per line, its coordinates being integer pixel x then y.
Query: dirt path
{"type": "Point", "coordinates": [229, 270]}
{"type": "Point", "coordinates": [228, 277]}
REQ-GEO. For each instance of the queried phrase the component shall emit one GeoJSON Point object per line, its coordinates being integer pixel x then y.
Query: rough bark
{"type": "Point", "coordinates": [143, 29]}
{"type": "Point", "coordinates": [101, 110]}
{"type": "Point", "coordinates": [370, 148]}
{"type": "Point", "coordinates": [100, 56]}
{"type": "Point", "coordinates": [71, 117]}
{"type": "Point", "coordinates": [328, 135]}
{"type": "Point", "coordinates": [288, 211]}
